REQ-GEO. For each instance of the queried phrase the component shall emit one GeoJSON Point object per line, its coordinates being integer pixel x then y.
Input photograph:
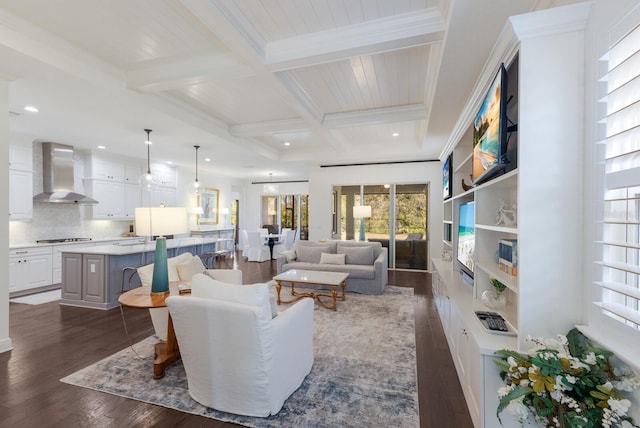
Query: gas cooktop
{"type": "Point", "coordinates": [51, 241]}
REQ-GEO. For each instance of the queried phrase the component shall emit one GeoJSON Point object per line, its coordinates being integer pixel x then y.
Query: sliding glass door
{"type": "Point", "coordinates": [411, 226]}
{"type": "Point", "coordinates": [401, 208]}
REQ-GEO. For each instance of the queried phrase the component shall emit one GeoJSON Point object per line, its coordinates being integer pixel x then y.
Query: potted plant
{"type": "Point", "coordinates": [494, 298]}
{"type": "Point", "coordinates": [565, 382]}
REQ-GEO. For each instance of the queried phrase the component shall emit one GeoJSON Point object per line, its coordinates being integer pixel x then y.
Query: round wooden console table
{"type": "Point", "coordinates": [166, 353]}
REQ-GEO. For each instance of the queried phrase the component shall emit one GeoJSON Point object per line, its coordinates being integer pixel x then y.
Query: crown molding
{"type": "Point", "coordinates": [375, 116]}
{"type": "Point", "coordinates": [379, 35]}
{"type": "Point", "coordinates": [268, 128]}
{"type": "Point", "coordinates": [179, 73]}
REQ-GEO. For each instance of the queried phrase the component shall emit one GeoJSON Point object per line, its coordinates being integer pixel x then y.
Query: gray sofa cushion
{"type": "Point", "coordinates": [354, 271]}
{"type": "Point", "coordinates": [311, 254]}
{"type": "Point", "coordinates": [357, 256]}
{"type": "Point", "coordinates": [376, 246]}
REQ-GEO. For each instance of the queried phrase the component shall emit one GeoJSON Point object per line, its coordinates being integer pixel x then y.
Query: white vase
{"type": "Point", "coordinates": [494, 300]}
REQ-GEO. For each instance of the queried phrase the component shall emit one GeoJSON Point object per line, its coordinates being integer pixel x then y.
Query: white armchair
{"type": "Point", "coordinates": [237, 358]}
{"type": "Point", "coordinates": [181, 268]}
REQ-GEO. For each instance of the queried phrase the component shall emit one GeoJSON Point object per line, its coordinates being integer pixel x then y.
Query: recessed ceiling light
{"type": "Point", "coordinates": [32, 109]}
{"type": "Point", "coordinates": [286, 143]}
{"type": "Point", "coordinates": [207, 159]}
{"type": "Point", "coordinates": [395, 134]}
{"type": "Point", "coordinates": [102, 147]}
{"type": "Point", "coordinates": [170, 162]}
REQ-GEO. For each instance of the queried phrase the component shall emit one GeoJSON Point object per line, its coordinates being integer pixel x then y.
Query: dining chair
{"type": "Point", "coordinates": [257, 250]}
{"type": "Point", "coordinates": [286, 243]}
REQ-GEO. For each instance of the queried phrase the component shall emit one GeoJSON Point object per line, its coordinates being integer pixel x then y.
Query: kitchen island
{"type": "Point", "coordinates": [93, 277]}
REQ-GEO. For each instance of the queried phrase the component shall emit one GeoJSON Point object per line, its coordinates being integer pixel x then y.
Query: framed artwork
{"type": "Point", "coordinates": [208, 201]}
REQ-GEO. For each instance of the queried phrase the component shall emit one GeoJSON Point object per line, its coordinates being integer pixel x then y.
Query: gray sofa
{"type": "Point", "coordinates": [366, 262]}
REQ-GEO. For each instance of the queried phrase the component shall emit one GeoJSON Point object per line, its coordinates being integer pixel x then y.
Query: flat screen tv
{"type": "Point", "coordinates": [490, 131]}
{"type": "Point", "coordinates": [466, 237]}
{"type": "Point", "coordinates": [446, 178]}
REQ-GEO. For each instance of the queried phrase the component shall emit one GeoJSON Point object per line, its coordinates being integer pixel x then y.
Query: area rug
{"type": "Point", "coordinates": [364, 371]}
{"type": "Point", "coordinates": [38, 298]}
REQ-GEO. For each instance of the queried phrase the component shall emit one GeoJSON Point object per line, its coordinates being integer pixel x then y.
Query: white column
{"type": "Point", "coordinates": [5, 340]}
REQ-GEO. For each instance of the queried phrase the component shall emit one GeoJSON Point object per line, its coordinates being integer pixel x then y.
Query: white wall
{"type": "Point", "coordinates": [186, 197]}
{"type": "Point", "coordinates": [5, 340]}
{"type": "Point", "coordinates": [322, 180]}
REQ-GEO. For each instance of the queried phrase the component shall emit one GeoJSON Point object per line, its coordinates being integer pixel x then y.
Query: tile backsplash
{"type": "Point", "coordinates": [52, 221]}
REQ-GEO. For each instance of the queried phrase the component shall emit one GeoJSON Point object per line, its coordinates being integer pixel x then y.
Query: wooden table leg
{"type": "Point", "coordinates": [278, 287]}
{"type": "Point", "coordinates": [344, 287]}
{"type": "Point", "coordinates": [166, 353]}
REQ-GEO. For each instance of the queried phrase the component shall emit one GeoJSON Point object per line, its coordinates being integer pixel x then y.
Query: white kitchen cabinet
{"type": "Point", "coordinates": [164, 175]}
{"type": "Point", "coordinates": [20, 194]}
{"type": "Point", "coordinates": [132, 199]}
{"type": "Point", "coordinates": [109, 167]}
{"type": "Point", "coordinates": [163, 195]}
{"type": "Point", "coordinates": [132, 173]}
{"type": "Point", "coordinates": [21, 158]}
{"type": "Point", "coordinates": [20, 183]}
{"type": "Point", "coordinates": [111, 199]}
{"type": "Point", "coordinates": [105, 167]}
{"type": "Point", "coordinates": [30, 268]}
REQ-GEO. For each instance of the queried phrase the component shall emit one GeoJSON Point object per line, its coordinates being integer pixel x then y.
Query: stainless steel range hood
{"type": "Point", "coordinates": [57, 177]}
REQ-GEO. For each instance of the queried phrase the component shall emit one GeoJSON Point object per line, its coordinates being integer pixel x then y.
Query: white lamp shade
{"type": "Point", "coordinates": [161, 221]}
{"type": "Point", "coordinates": [198, 210]}
{"type": "Point", "coordinates": [224, 211]}
{"type": "Point", "coordinates": [361, 211]}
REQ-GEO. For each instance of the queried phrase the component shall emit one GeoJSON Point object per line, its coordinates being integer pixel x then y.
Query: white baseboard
{"type": "Point", "coordinates": [5, 345]}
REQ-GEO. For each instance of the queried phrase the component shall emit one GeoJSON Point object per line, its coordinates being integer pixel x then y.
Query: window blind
{"type": "Point", "coordinates": [620, 263]}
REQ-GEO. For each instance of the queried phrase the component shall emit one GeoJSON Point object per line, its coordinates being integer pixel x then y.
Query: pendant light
{"type": "Point", "coordinates": [196, 183]}
{"type": "Point", "coordinates": [148, 177]}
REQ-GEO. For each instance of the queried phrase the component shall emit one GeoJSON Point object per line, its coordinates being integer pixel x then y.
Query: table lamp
{"type": "Point", "coordinates": [160, 221]}
{"type": "Point", "coordinates": [361, 212]}
{"type": "Point", "coordinates": [225, 212]}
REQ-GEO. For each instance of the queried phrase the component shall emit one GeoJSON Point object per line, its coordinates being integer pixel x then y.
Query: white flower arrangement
{"type": "Point", "coordinates": [564, 381]}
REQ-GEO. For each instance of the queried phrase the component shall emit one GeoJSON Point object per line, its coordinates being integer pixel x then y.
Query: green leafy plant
{"type": "Point", "coordinates": [565, 382]}
{"type": "Point", "coordinates": [497, 285]}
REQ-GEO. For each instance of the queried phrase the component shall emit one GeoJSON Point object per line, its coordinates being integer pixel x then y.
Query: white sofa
{"type": "Point", "coordinates": [365, 262]}
{"type": "Point", "coordinates": [238, 357]}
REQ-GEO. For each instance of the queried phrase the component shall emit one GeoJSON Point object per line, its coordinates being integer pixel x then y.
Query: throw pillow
{"type": "Point", "coordinates": [146, 274]}
{"type": "Point", "coordinates": [289, 255]}
{"type": "Point", "coordinates": [187, 269]}
{"type": "Point", "coordinates": [332, 259]}
{"type": "Point", "coordinates": [357, 255]}
{"type": "Point", "coordinates": [252, 294]}
{"type": "Point", "coordinates": [311, 254]}
{"type": "Point", "coordinates": [172, 265]}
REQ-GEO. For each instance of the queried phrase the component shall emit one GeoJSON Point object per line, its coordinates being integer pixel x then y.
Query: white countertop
{"type": "Point", "coordinates": [120, 250]}
{"type": "Point", "coordinates": [94, 241]}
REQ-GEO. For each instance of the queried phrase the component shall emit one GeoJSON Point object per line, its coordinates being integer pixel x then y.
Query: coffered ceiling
{"type": "Point", "coordinates": [263, 86]}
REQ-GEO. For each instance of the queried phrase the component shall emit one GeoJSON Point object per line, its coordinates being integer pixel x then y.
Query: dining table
{"type": "Point", "coordinates": [271, 241]}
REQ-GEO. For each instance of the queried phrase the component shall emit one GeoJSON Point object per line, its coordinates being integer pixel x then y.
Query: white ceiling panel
{"type": "Point", "coordinates": [238, 101]}
{"type": "Point", "coordinates": [384, 134]}
{"type": "Point", "coordinates": [393, 78]}
{"type": "Point", "coordinates": [122, 32]}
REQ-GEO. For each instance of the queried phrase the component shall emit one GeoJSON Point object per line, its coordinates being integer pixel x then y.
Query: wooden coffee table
{"type": "Point", "coordinates": [166, 353]}
{"type": "Point", "coordinates": [312, 277]}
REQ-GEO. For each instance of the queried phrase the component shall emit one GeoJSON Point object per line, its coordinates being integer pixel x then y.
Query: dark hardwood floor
{"type": "Point", "coordinates": [51, 341]}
